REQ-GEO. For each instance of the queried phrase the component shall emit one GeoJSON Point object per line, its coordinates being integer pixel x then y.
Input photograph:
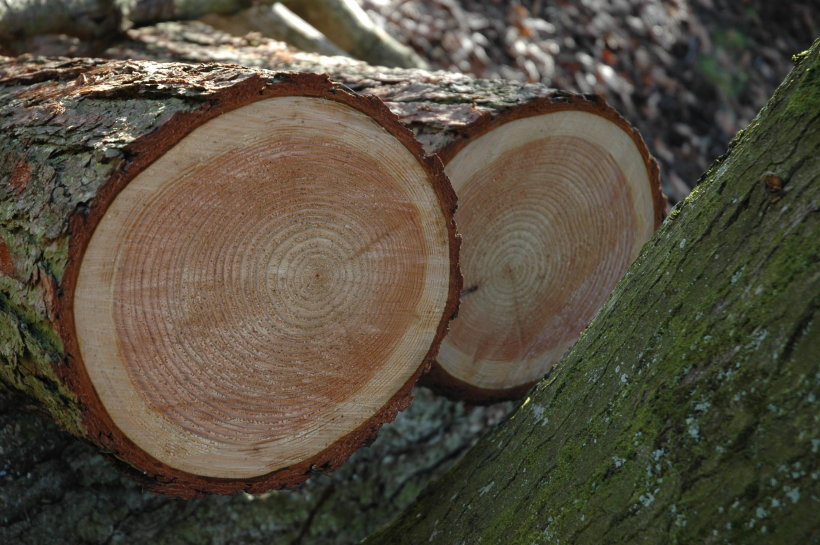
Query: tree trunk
{"type": "Point", "coordinates": [689, 411]}
{"type": "Point", "coordinates": [557, 195]}
{"type": "Point", "coordinates": [227, 279]}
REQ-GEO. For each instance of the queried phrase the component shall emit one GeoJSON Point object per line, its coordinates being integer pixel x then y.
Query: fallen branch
{"type": "Point", "coordinates": [276, 22]}
{"type": "Point", "coordinates": [349, 27]}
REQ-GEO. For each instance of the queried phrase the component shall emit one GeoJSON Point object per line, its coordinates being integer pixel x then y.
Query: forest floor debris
{"type": "Point", "coordinates": [689, 74]}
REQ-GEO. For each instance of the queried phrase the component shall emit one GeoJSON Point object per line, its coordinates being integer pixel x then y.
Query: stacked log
{"type": "Point", "coordinates": [557, 196]}
{"type": "Point", "coordinates": [242, 273]}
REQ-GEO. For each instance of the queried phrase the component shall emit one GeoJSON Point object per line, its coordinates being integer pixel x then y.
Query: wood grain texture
{"type": "Point", "coordinates": [273, 279]}
{"type": "Point", "coordinates": [558, 194]}
{"type": "Point", "coordinates": [553, 209]}
{"type": "Point", "coordinates": [186, 181]}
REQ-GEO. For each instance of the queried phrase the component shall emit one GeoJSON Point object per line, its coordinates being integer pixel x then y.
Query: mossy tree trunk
{"type": "Point", "coordinates": [689, 411]}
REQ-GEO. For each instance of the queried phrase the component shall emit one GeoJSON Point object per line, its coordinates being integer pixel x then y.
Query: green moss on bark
{"type": "Point", "coordinates": [689, 411]}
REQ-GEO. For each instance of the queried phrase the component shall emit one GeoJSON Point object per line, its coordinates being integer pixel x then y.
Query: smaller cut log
{"type": "Point", "coordinates": [556, 199]}
{"type": "Point", "coordinates": [227, 279]}
{"type": "Point", "coordinates": [557, 195]}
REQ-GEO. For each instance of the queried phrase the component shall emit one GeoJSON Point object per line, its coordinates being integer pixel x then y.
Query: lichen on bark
{"type": "Point", "coordinates": [689, 410]}
{"type": "Point", "coordinates": [61, 139]}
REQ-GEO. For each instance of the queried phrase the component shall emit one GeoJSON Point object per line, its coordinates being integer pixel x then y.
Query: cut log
{"type": "Point", "coordinates": [556, 199]}
{"type": "Point", "coordinates": [558, 194]}
{"type": "Point", "coordinates": [226, 278]}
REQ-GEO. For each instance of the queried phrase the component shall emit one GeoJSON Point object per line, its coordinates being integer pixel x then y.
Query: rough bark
{"type": "Point", "coordinates": [446, 112]}
{"type": "Point", "coordinates": [689, 411]}
{"type": "Point", "coordinates": [57, 490]}
{"type": "Point", "coordinates": [438, 107]}
{"type": "Point", "coordinates": [72, 134]}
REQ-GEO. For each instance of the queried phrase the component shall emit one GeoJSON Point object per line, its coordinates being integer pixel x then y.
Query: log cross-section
{"type": "Point", "coordinates": [226, 278]}
{"type": "Point", "coordinates": [557, 196]}
{"type": "Point", "coordinates": [556, 199]}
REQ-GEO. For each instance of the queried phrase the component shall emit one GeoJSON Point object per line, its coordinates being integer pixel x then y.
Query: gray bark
{"type": "Point", "coordinates": [436, 106]}
{"type": "Point", "coordinates": [56, 490]}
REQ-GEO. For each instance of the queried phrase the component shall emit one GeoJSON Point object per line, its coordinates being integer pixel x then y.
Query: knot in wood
{"type": "Point", "coordinates": [774, 183]}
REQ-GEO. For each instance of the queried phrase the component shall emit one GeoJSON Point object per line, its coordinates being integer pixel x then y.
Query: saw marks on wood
{"type": "Point", "coordinates": [552, 210]}
{"type": "Point", "coordinates": [264, 288]}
